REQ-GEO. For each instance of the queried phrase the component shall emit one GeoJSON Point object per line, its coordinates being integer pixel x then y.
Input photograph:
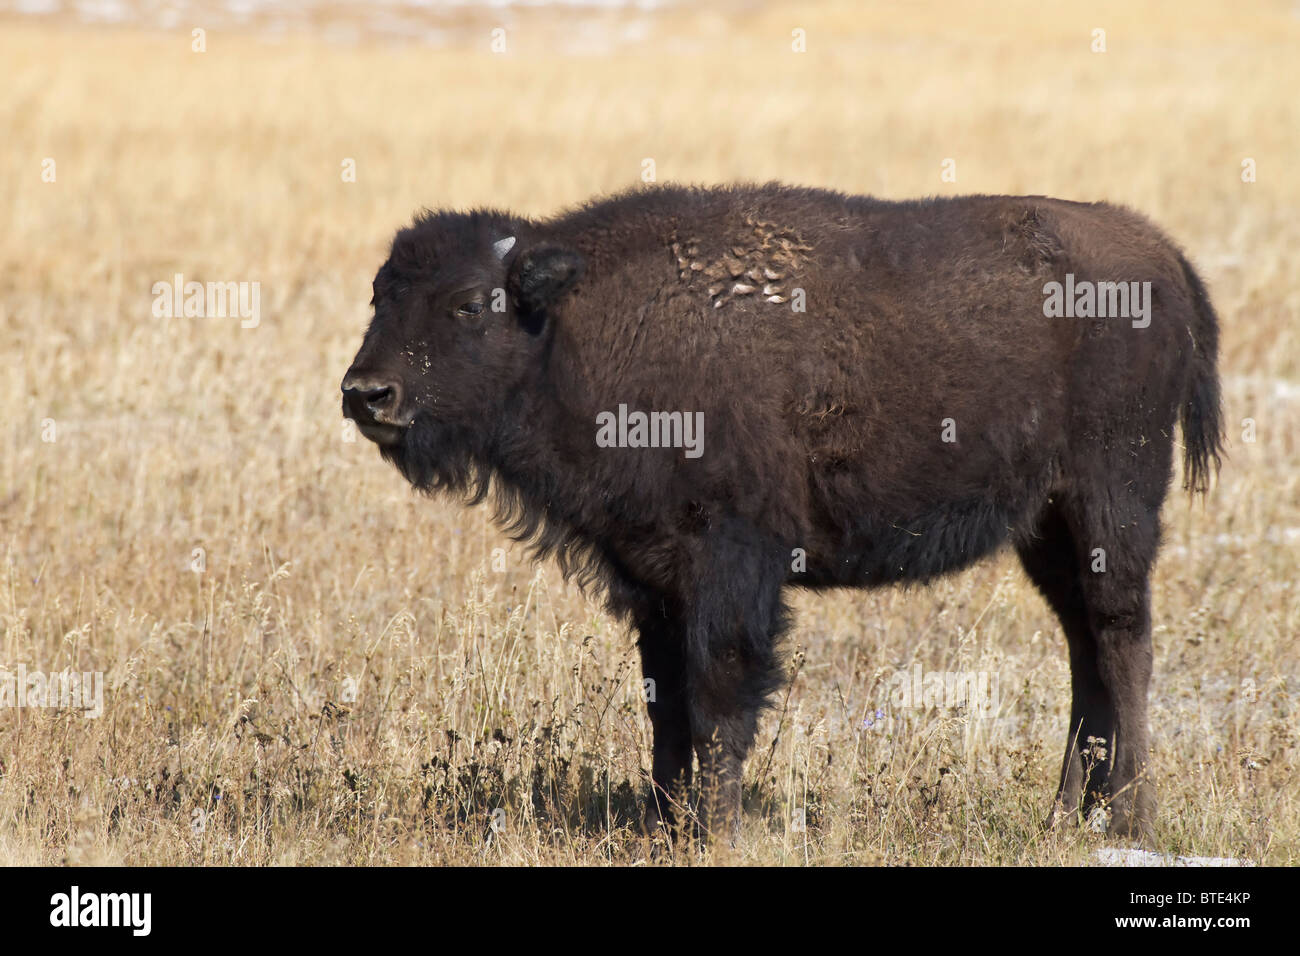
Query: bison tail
{"type": "Point", "coordinates": [1201, 406]}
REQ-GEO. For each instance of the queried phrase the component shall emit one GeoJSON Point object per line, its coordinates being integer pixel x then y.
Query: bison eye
{"type": "Point", "coordinates": [471, 309]}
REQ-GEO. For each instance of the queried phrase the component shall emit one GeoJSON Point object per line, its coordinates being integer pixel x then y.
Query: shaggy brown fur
{"type": "Point", "coordinates": [884, 400]}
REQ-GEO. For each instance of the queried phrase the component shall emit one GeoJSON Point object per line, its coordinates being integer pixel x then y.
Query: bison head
{"type": "Point", "coordinates": [461, 309]}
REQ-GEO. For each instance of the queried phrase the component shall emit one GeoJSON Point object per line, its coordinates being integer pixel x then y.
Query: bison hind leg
{"type": "Point", "coordinates": [1120, 534]}
{"type": "Point", "coordinates": [1092, 570]}
{"type": "Point", "coordinates": [1051, 559]}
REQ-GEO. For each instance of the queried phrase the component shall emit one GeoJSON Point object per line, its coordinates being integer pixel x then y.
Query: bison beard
{"type": "Point", "coordinates": [918, 414]}
{"type": "Point", "coordinates": [435, 458]}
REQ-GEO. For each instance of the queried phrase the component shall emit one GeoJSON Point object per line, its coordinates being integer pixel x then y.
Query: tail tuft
{"type": "Point", "coordinates": [1202, 415]}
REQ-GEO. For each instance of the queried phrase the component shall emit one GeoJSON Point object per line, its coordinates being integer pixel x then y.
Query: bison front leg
{"type": "Point", "coordinates": [724, 723]}
{"type": "Point", "coordinates": [735, 620]}
{"type": "Point", "coordinates": [663, 669]}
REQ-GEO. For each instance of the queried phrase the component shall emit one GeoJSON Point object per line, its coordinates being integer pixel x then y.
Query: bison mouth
{"type": "Point", "coordinates": [382, 434]}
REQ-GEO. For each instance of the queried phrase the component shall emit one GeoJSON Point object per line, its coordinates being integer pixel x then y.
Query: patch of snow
{"type": "Point", "coordinates": [1115, 856]}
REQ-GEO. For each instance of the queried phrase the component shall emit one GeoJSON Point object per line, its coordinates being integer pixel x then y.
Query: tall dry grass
{"type": "Point", "coordinates": [353, 678]}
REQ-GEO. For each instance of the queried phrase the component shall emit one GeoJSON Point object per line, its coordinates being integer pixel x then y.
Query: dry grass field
{"type": "Point", "coordinates": [305, 663]}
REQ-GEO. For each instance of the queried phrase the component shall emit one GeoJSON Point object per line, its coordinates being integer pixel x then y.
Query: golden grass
{"type": "Point", "coordinates": [228, 735]}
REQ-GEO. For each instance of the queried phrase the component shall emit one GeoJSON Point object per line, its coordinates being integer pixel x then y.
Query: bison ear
{"type": "Point", "coordinates": [539, 276]}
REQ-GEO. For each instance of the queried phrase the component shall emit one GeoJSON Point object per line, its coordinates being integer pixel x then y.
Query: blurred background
{"type": "Point", "coordinates": [331, 670]}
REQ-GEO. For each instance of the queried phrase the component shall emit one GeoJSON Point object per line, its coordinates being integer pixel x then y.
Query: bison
{"type": "Point", "coordinates": [876, 392]}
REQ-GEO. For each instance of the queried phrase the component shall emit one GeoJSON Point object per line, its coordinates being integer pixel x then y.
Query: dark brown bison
{"type": "Point", "coordinates": [696, 397]}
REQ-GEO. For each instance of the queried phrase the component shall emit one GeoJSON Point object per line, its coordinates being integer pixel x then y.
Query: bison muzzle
{"type": "Point", "coordinates": [887, 392]}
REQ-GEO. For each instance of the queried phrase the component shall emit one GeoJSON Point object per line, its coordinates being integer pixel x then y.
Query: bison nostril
{"type": "Point", "coordinates": [378, 399]}
{"type": "Point", "coordinates": [370, 401]}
